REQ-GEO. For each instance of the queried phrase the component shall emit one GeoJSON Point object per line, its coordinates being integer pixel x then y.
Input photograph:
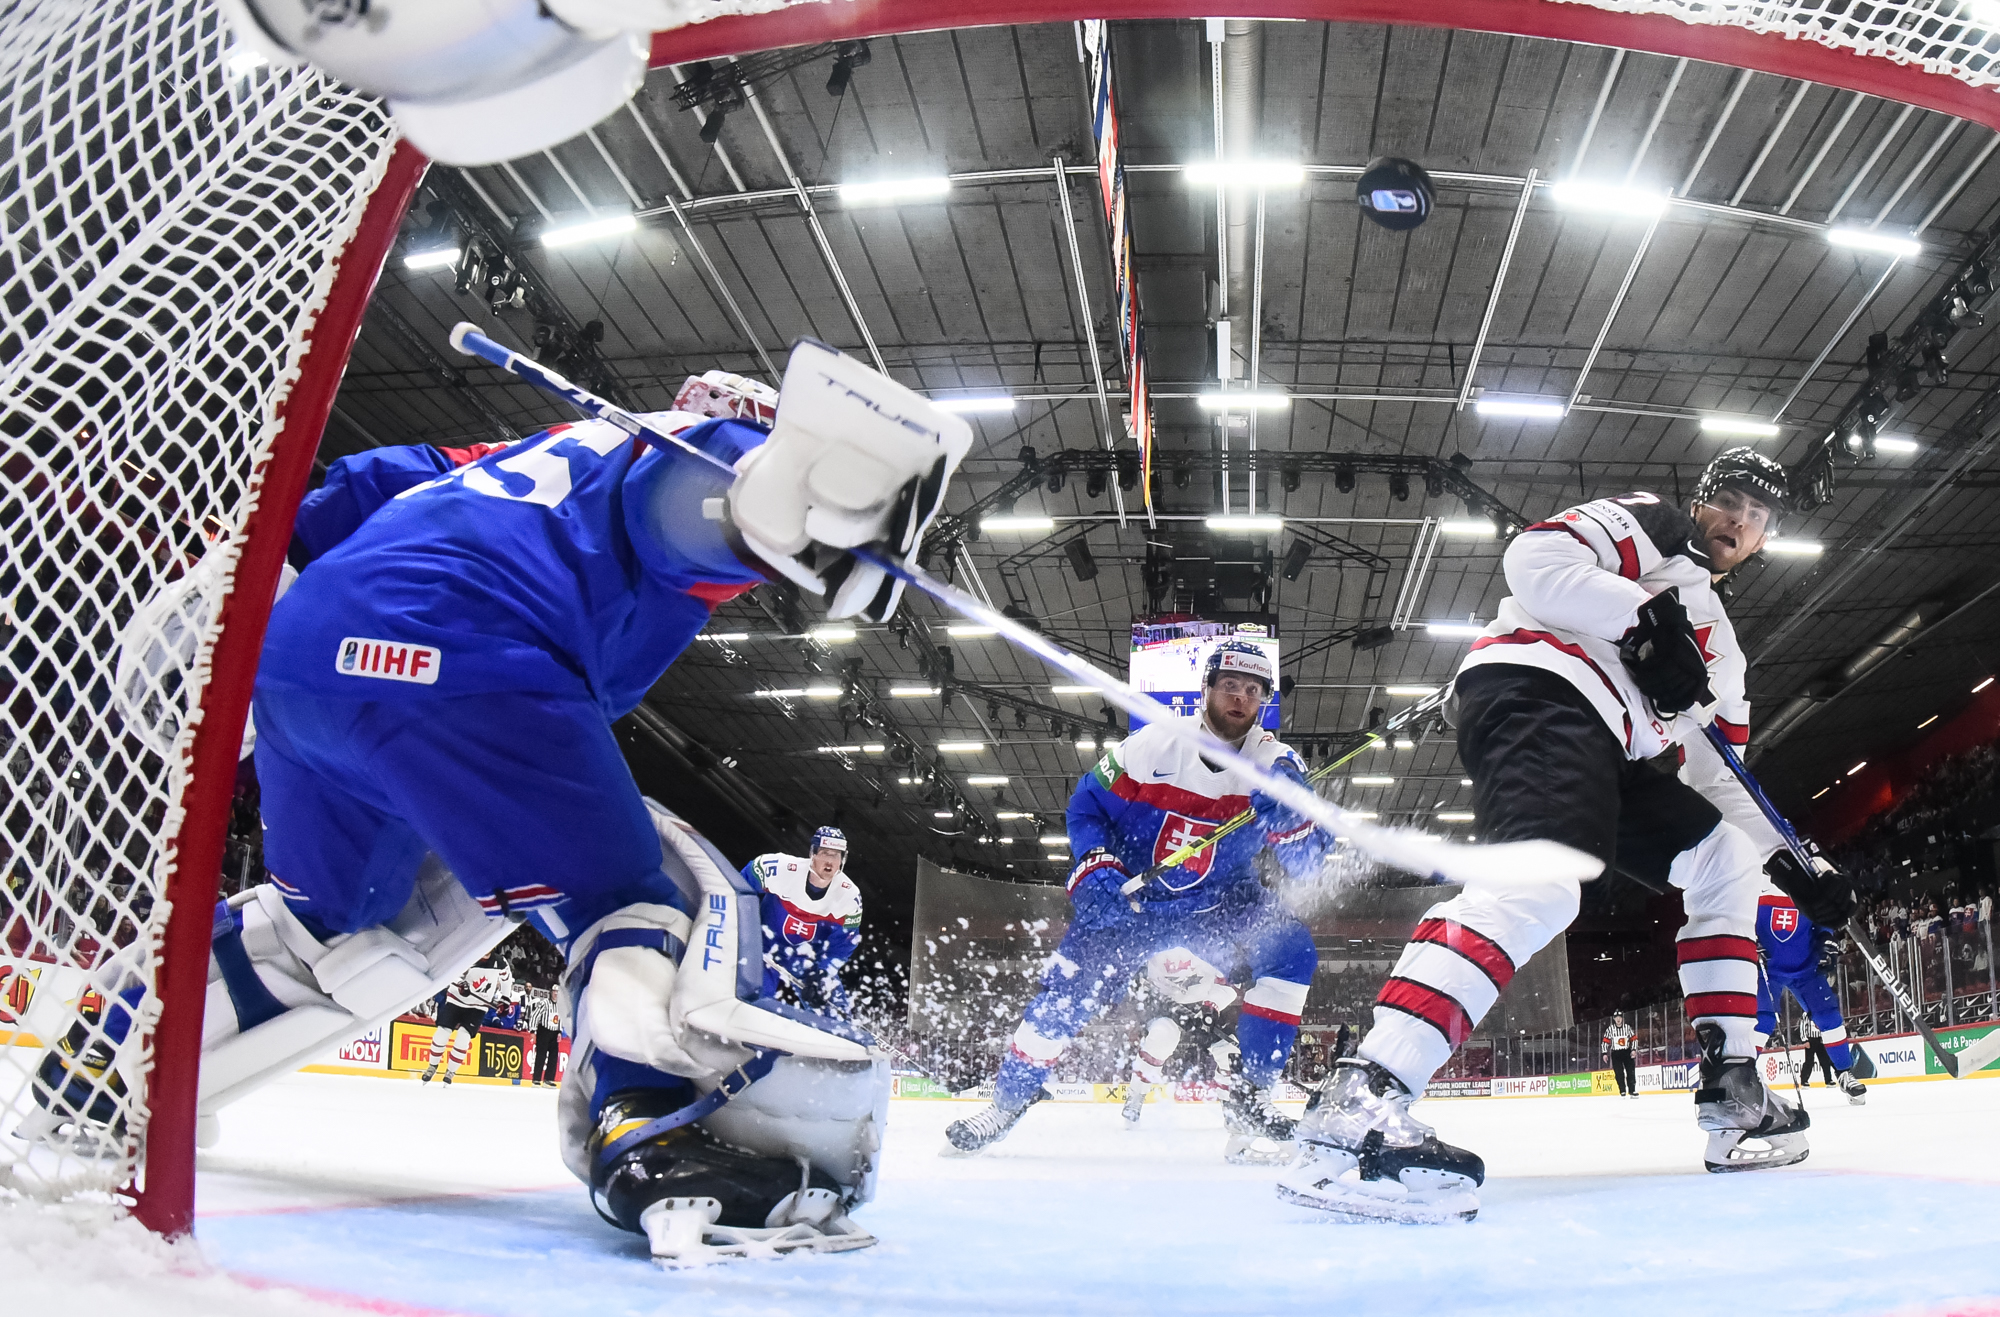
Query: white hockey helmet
{"type": "Point", "coordinates": [1241, 658]}
{"type": "Point", "coordinates": [471, 82]}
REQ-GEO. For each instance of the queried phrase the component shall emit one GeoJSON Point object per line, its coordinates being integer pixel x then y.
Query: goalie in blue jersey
{"type": "Point", "coordinates": [436, 759]}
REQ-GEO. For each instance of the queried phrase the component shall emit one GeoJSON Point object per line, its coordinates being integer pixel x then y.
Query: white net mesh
{"type": "Point", "coordinates": [1957, 38]}
{"type": "Point", "coordinates": [170, 219]}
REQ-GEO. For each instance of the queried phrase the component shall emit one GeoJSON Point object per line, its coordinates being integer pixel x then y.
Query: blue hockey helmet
{"type": "Point", "coordinates": [1242, 658]}
{"type": "Point", "coordinates": [830, 839]}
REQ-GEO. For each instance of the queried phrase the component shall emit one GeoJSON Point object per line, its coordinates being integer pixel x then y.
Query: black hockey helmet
{"type": "Point", "coordinates": [1754, 474]}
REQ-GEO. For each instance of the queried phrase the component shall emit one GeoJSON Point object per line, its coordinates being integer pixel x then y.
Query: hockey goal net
{"type": "Point", "coordinates": [187, 241]}
{"type": "Point", "coordinates": [185, 246]}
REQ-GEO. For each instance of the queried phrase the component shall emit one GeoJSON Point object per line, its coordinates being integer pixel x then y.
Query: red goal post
{"type": "Point", "coordinates": [188, 248]}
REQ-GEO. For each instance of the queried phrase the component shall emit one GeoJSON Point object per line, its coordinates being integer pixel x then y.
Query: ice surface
{"type": "Point", "coordinates": [396, 1197]}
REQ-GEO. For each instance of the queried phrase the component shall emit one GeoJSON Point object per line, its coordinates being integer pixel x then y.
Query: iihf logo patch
{"type": "Point", "coordinates": [359, 656]}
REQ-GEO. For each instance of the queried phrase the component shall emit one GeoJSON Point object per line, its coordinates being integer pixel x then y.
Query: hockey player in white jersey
{"type": "Point", "coordinates": [812, 921]}
{"type": "Point", "coordinates": [1574, 709]}
{"type": "Point", "coordinates": [1195, 1001]}
{"type": "Point", "coordinates": [485, 987]}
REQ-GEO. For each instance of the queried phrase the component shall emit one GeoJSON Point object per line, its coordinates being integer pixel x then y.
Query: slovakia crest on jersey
{"type": "Point", "coordinates": [1784, 921]}
{"type": "Point", "coordinates": [799, 929]}
{"type": "Point", "coordinates": [1176, 831]}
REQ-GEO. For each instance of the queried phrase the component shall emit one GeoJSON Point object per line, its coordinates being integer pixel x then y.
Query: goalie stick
{"type": "Point", "coordinates": [1502, 864]}
{"type": "Point", "coordinates": [1956, 1064]}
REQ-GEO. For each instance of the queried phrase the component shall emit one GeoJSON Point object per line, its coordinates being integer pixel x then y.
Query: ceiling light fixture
{"type": "Point", "coordinates": [1797, 548]}
{"type": "Point", "coordinates": [1472, 526]}
{"type": "Point", "coordinates": [431, 260]}
{"type": "Point", "coordinates": [725, 636]}
{"type": "Point", "coordinates": [912, 692]}
{"type": "Point", "coordinates": [1896, 445]}
{"type": "Point", "coordinates": [1403, 743]}
{"type": "Point", "coordinates": [1869, 241]}
{"type": "Point", "coordinates": [1857, 768]}
{"type": "Point", "coordinates": [987, 525]}
{"type": "Point", "coordinates": [1409, 690]}
{"type": "Point", "coordinates": [1055, 841]}
{"type": "Point", "coordinates": [571, 235]}
{"type": "Point", "coordinates": [942, 813]}
{"type": "Point", "coordinates": [1927, 722]}
{"type": "Point", "coordinates": [1245, 401]}
{"type": "Point", "coordinates": [832, 635]}
{"type": "Point", "coordinates": [1454, 816]}
{"type": "Point", "coordinates": [1360, 814]}
{"type": "Point", "coordinates": [1637, 202]}
{"type": "Point", "coordinates": [1741, 426]}
{"type": "Point", "coordinates": [1071, 690]}
{"type": "Point", "coordinates": [1372, 781]}
{"type": "Point", "coordinates": [1822, 791]}
{"type": "Point", "coordinates": [1240, 525]}
{"type": "Point", "coordinates": [1454, 630]}
{"type": "Point", "coordinates": [987, 780]}
{"type": "Point", "coordinates": [967, 631]}
{"type": "Point", "coordinates": [1522, 406]}
{"type": "Point", "coordinates": [975, 406]}
{"type": "Point", "coordinates": [894, 189]}
{"type": "Point", "coordinates": [1982, 686]}
{"type": "Point", "coordinates": [960, 747]}
{"type": "Point", "coordinates": [1244, 173]}
{"type": "Point", "coordinates": [1013, 814]}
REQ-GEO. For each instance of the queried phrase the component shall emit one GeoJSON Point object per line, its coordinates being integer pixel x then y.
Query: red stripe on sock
{"type": "Point", "coordinates": [1266, 1013]}
{"type": "Point", "coordinates": [1723, 947]}
{"type": "Point", "coordinates": [1475, 946]}
{"type": "Point", "coordinates": [1434, 1008]}
{"type": "Point", "coordinates": [1722, 1003]}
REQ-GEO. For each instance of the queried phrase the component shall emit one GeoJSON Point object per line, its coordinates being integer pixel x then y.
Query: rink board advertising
{"type": "Point", "coordinates": [1168, 659]}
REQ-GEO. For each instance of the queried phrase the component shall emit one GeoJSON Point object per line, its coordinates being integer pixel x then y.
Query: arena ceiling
{"type": "Point", "coordinates": [1732, 302]}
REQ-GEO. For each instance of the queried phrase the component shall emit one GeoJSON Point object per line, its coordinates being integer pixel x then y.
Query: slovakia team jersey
{"type": "Point", "coordinates": [576, 563]}
{"type": "Point", "coordinates": [1153, 794]}
{"type": "Point", "coordinates": [1185, 979]}
{"type": "Point", "coordinates": [1791, 942]}
{"type": "Point", "coordinates": [1575, 584]}
{"type": "Point", "coordinates": [485, 986]}
{"type": "Point", "coordinates": [809, 937]}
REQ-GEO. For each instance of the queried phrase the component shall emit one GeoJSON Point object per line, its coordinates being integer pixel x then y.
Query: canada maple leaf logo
{"type": "Point", "coordinates": [1701, 635]}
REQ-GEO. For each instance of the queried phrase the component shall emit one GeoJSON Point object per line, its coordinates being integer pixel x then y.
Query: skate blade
{"type": "Point", "coordinates": [1726, 1151]}
{"type": "Point", "coordinates": [1350, 1202]}
{"type": "Point", "coordinates": [734, 1244]}
{"type": "Point", "coordinates": [1256, 1150]}
{"type": "Point", "coordinates": [952, 1150]}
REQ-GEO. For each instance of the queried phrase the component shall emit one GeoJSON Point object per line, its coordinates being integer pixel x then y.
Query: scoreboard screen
{"type": "Point", "coordinates": [1168, 659]}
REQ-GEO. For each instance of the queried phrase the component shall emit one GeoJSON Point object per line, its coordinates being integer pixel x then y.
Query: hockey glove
{"type": "Point", "coordinates": [854, 460]}
{"type": "Point", "coordinates": [1095, 894]}
{"type": "Point", "coordinates": [1664, 657]}
{"type": "Point", "coordinates": [1823, 894]}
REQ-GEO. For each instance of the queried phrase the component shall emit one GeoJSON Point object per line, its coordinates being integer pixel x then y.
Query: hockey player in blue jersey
{"type": "Point", "coordinates": [436, 761]}
{"type": "Point", "coordinates": [1793, 947]}
{"type": "Point", "coordinates": [812, 921]}
{"type": "Point", "coordinates": [1143, 801]}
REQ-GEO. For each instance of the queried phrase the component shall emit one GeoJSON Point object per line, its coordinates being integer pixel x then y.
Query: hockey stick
{"type": "Point", "coordinates": [1194, 848]}
{"type": "Point", "coordinates": [1869, 951]}
{"type": "Point", "coordinates": [1504, 863]}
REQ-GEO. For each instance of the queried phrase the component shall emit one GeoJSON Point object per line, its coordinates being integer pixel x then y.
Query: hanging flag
{"type": "Point", "coordinates": [1118, 220]}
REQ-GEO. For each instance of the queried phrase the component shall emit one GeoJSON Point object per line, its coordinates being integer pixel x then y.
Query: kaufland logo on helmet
{"type": "Point", "coordinates": [387, 660]}
{"type": "Point", "coordinates": [1255, 664]}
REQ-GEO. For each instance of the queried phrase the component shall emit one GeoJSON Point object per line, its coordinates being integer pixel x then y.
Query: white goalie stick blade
{"type": "Point", "coordinates": [1502, 864]}
{"type": "Point", "coordinates": [1349, 1198]}
{"type": "Point", "coordinates": [1981, 1053]}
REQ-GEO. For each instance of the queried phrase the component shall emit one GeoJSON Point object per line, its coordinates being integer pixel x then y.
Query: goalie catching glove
{"type": "Point", "coordinates": [854, 460]}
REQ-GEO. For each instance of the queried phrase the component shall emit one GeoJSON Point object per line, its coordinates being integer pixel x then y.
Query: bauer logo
{"type": "Point", "coordinates": [388, 660]}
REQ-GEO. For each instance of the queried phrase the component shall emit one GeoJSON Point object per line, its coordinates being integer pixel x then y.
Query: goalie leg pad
{"type": "Point", "coordinates": [369, 977]}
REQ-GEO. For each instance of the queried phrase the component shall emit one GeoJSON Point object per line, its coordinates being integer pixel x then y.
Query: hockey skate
{"type": "Point", "coordinates": [684, 1232]}
{"type": "Point", "coordinates": [1750, 1128]}
{"type": "Point", "coordinates": [1856, 1091]}
{"type": "Point", "coordinates": [1135, 1103]}
{"type": "Point", "coordinates": [430, 1073]}
{"type": "Point", "coordinates": [1259, 1133]}
{"type": "Point", "coordinates": [983, 1129]}
{"type": "Point", "coordinates": [1365, 1158]}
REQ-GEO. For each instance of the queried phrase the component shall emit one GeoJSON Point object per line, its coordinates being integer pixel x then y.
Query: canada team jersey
{"type": "Point", "coordinates": [488, 987]}
{"type": "Point", "coordinates": [1790, 941]}
{"type": "Point", "coordinates": [808, 937]}
{"type": "Point", "coordinates": [1575, 583]}
{"type": "Point", "coordinates": [1153, 794]}
{"type": "Point", "coordinates": [576, 563]}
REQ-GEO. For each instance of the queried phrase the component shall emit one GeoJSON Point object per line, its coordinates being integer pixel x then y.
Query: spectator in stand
{"type": "Point", "coordinates": [1343, 1043]}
